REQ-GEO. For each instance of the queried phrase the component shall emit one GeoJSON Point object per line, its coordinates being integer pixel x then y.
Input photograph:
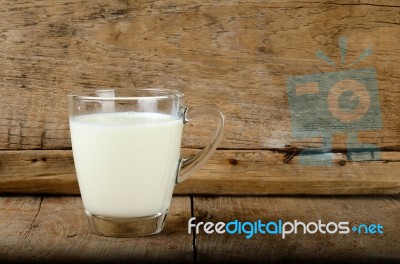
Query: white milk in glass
{"type": "Point", "coordinates": [126, 162]}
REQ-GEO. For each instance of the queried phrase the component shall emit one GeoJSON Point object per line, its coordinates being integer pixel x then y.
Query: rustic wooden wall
{"type": "Point", "coordinates": [237, 55]}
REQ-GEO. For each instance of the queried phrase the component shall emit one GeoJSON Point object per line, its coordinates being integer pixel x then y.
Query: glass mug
{"type": "Point", "coordinates": [126, 148]}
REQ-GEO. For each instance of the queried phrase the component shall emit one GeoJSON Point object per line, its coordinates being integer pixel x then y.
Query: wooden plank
{"type": "Point", "coordinates": [57, 230]}
{"type": "Point", "coordinates": [300, 247]}
{"type": "Point", "coordinates": [237, 55]}
{"type": "Point", "coordinates": [38, 172]}
{"type": "Point", "coordinates": [17, 215]}
{"type": "Point", "coordinates": [265, 172]}
{"type": "Point", "coordinates": [54, 229]}
{"type": "Point", "coordinates": [249, 172]}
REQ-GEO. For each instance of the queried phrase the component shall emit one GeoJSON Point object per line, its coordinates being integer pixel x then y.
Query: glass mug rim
{"type": "Point", "coordinates": [159, 93]}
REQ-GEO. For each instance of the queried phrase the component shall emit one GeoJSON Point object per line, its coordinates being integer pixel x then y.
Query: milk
{"type": "Point", "coordinates": [126, 163]}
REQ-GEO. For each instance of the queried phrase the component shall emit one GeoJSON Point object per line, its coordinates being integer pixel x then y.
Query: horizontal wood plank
{"type": "Point", "coordinates": [237, 55]}
{"type": "Point", "coordinates": [38, 171]}
{"type": "Point", "coordinates": [299, 248]}
{"type": "Point", "coordinates": [249, 172]}
{"type": "Point", "coordinates": [49, 229]}
{"type": "Point", "coordinates": [55, 229]}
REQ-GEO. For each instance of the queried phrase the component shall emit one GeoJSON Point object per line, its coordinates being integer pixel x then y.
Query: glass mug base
{"type": "Point", "coordinates": [127, 227]}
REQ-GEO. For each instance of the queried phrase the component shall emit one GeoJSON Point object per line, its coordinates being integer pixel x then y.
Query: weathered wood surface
{"type": "Point", "coordinates": [55, 229]}
{"type": "Point", "coordinates": [249, 172]}
{"type": "Point", "coordinates": [38, 171]}
{"type": "Point", "coordinates": [300, 248]}
{"type": "Point", "coordinates": [48, 229]}
{"type": "Point", "coordinates": [236, 55]}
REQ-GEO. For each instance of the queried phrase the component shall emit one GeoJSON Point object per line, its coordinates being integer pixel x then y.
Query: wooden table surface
{"type": "Point", "coordinates": [54, 228]}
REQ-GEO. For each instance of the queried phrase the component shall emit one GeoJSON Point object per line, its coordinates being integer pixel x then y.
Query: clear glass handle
{"type": "Point", "coordinates": [190, 165]}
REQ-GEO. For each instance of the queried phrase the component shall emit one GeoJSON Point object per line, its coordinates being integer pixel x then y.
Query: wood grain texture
{"type": "Point", "coordinates": [249, 172]}
{"type": "Point", "coordinates": [16, 220]}
{"type": "Point", "coordinates": [237, 55]}
{"type": "Point", "coordinates": [49, 229]}
{"type": "Point", "coordinates": [38, 172]}
{"type": "Point", "coordinates": [300, 248]}
{"type": "Point", "coordinates": [55, 229]}
{"type": "Point", "coordinates": [265, 172]}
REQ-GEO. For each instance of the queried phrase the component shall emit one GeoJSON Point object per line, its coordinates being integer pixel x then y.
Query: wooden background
{"type": "Point", "coordinates": [233, 54]}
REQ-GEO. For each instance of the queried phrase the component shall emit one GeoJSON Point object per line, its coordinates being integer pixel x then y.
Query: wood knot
{"type": "Point", "coordinates": [342, 162]}
{"type": "Point", "coordinates": [262, 49]}
{"type": "Point", "coordinates": [203, 216]}
{"type": "Point", "coordinates": [290, 155]}
{"type": "Point", "coordinates": [233, 162]}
